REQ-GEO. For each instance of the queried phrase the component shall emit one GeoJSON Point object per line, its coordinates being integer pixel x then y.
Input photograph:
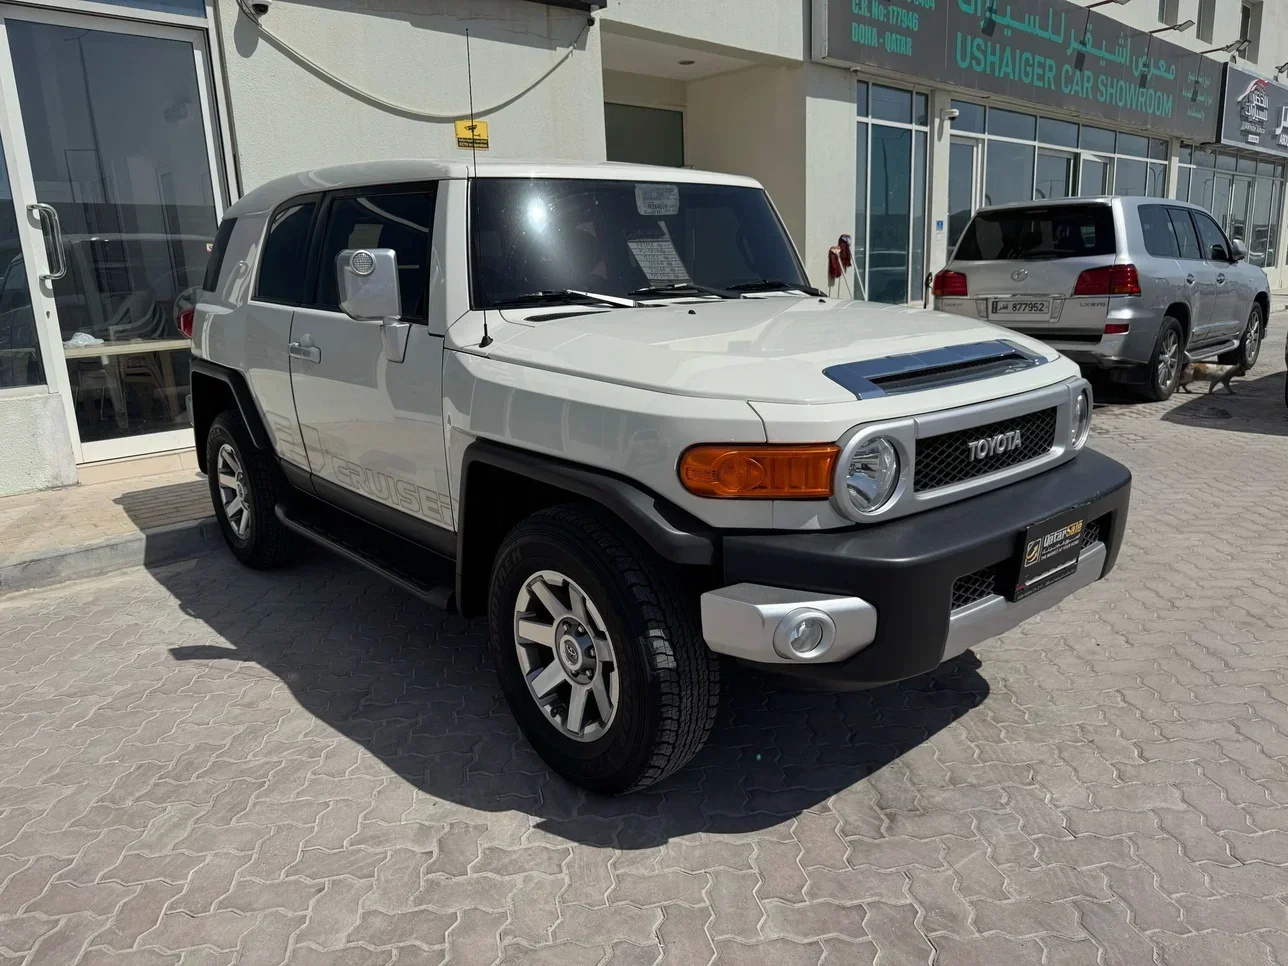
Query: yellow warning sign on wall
{"type": "Point", "coordinates": [471, 134]}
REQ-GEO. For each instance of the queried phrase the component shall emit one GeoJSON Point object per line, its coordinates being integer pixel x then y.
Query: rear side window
{"type": "Point", "coordinates": [1187, 239]}
{"type": "Point", "coordinates": [403, 221]}
{"type": "Point", "coordinates": [217, 250]}
{"type": "Point", "coordinates": [1039, 233]}
{"type": "Point", "coordinates": [1160, 236]}
{"type": "Point", "coordinates": [281, 266]}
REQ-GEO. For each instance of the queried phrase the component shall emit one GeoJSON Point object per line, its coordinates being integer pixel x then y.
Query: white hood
{"type": "Point", "coordinates": [762, 349]}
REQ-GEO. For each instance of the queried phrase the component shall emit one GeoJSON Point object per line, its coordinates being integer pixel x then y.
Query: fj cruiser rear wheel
{"type": "Point", "coordinates": [599, 651]}
{"type": "Point", "coordinates": [1168, 360]}
{"type": "Point", "coordinates": [245, 488]}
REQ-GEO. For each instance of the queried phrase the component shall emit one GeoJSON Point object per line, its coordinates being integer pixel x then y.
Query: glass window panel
{"type": "Point", "coordinates": [281, 265]}
{"type": "Point", "coordinates": [1187, 238]}
{"type": "Point", "coordinates": [921, 109]}
{"type": "Point", "coordinates": [1246, 165]}
{"type": "Point", "coordinates": [1220, 207]}
{"type": "Point", "coordinates": [1012, 124]}
{"type": "Point", "coordinates": [1209, 234]}
{"type": "Point", "coordinates": [891, 166]}
{"type": "Point", "coordinates": [917, 257]}
{"type": "Point", "coordinates": [891, 104]}
{"type": "Point", "coordinates": [1201, 187]}
{"type": "Point", "coordinates": [118, 146]}
{"type": "Point", "coordinates": [1204, 157]}
{"type": "Point", "coordinates": [861, 210]}
{"type": "Point", "coordinates": [1272, 237]}
{"type": "Point", "coordinates": [970, 117]}
{"type": "Point", "coordinates": [1267, 168]}
{"type": "Point", "coordinates": [1186, 154]}
{"type": "Point", "coordinates": [1054, 175]}
{"type": "Point", "coordinates": [1259, 245]}
{"type": "Point", "coordinates": [1156, 181]}
{"type": "Point", "coordinates": [1133, 144]}
{"type": "Point", "coordinates": [861, 98]}
{"type": "Point", "coordinates": [1225, 162]}
{"type": "Point", "coordinates": [1096, 139]}
{"type": "Point", "coordinates": [1008, 174]}
{"type": "Point", "coordinates": [1159, 235]}
{"type": "Point", "coordinates": [1051, 131]}
{"type": "Point", "coordinates": [1095, 177]}
{"type": "Point", "coordinates": [1130, 177]}
{"type": "Point", "coordinates": [644, 135]}
{"type": "Point", "coordinates": [961, 187]}
{"type": "Point", "coordinates": [1237, 226]}
{"type": "Point", "coordinates": [1158, 149]}
{"type": "Point", "coordinates": [1183, 183]}
{"type": "Point", "coordinates": [20, 362]}
{"type": "Point", "coordinates": [192, 8]}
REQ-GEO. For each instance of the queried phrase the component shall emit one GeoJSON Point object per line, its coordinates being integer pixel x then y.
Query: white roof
{"type": "Point", "coordinates": [360, 173]}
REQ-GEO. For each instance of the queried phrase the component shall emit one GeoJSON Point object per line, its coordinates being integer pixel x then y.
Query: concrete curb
{"type": "Point", "coordinates": [149, 548]}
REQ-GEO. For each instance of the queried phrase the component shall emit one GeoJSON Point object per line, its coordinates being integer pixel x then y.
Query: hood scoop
{"type": "Point", "coordinates": [933, 369]}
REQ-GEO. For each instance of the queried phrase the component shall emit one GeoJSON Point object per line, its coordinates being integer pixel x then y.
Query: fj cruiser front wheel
{"type": "Point", "coordinates": [244, 487]}
{"type": "Point", "coordinates": [599, 651]}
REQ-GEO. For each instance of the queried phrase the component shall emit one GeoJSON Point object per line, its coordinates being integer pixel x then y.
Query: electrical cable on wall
{"type": "Point", "coordinates": [245, 7]}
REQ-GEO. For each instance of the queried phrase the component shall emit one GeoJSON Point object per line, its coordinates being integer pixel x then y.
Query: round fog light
{"type": "Point", "coordinates": [805, 634]}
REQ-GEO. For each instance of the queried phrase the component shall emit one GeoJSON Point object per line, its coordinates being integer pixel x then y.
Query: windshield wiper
{"type": "Point", "coordinates": [551, 296]}
{"type": "Point", "coordinates": [774, 285]}
{"type": "Point", "coordinates": [684, 288]}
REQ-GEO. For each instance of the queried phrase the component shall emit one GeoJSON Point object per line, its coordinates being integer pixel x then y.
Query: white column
{"type": "Point", "coordinates": [1173, 166]}
{"type": "Point", "coordinates": [937, 189]}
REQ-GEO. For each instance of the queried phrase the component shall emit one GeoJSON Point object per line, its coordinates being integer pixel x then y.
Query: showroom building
{"type": "Point", "coordinates": [127, 128]}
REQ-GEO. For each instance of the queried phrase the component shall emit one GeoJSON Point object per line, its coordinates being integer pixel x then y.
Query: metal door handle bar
{"type": "Point", "coordinates": [52, 229]}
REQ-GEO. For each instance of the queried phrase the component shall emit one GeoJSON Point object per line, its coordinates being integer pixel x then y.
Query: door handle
{"type": "Point", "coordinates": [309, 353]}
{"type": "Point", "coordinates": [52, 229]}
{"type": "Point", "coordinates": [1189, 279]}
{"type": "Point", "coordinates": [1220, 279]}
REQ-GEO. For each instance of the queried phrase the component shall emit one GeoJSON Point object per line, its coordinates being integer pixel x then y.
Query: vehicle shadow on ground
{"type": "Point", "coordinates": [1257, 406]}
{"type": "Point", "coordinates": [415, 687]}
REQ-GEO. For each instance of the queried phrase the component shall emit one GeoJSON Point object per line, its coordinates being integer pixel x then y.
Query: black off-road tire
{"type": "Point", "coordinates": [267, 543]}
{"type": "Point", "coordinates": [668, 678]}
{"type": "Point", "coordinates": [1155, 387]}
{"type": "Point", "coordinates": [1250, 344]}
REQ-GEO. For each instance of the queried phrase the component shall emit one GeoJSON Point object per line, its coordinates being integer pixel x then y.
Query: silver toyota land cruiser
{"type": "Point", "coordinates": [1137, 286]}
{"type": "Point", "coordinates": [602, 406]}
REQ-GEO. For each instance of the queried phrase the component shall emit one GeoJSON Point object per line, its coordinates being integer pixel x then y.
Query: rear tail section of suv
{"type": "Point", "coordinates": [1044, 270]}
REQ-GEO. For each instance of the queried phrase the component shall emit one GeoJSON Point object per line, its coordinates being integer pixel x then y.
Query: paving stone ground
{"type": "Point", "coordinates": [202, 765]}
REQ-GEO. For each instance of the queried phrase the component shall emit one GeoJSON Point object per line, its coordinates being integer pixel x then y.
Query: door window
{"type": "Point", "coordinates": [1210, 235]}
{"type": "Point", "coordinates": [1187, 240]}
{"type": "Point", "coordinates": [961, 188]}
{"type": "Point", "coordinates": [1160, 236]}
{"type": "Point", "coordinates": [403, 221]}
{"type": "Point", "coordinates": [286, 245]}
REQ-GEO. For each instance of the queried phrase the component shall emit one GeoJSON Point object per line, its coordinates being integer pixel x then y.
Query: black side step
{"type": "Point", "coordinates": [416, 570]}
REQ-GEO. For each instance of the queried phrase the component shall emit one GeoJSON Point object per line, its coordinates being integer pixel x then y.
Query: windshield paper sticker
{"type": "Point", "coordinates": [658, 259]}
{"type": "Point", "coordinates": [657, 199]}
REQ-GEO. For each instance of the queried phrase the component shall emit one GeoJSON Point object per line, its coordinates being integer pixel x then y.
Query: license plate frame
{"type": "Point", "coordinates": [1019, 308]}
{"type": "Point", "coordinates": [1049, 552]}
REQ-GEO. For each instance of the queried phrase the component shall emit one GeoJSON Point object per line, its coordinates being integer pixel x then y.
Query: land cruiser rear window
{"type": "Point", "coordinates": [622, 237]}
{"type": "Point", "coordinates": [217, 250]}
{"type": "Point", "coordinates": [1039, 233]}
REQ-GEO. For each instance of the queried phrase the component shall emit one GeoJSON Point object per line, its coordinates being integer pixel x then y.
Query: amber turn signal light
{"type": "Point", "coordinates": [760, 472]}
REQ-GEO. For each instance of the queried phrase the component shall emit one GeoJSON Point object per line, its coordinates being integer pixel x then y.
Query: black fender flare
{"type": "Point", "coordinates": [240, 389]}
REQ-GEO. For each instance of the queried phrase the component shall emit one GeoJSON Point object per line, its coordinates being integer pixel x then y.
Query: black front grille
{"type": "Point", "coordinates": [1091, 532]}
{"type": "Point", "coordinates": [972, 587]}
{"type": "Point", "coordinates": [946, 459]}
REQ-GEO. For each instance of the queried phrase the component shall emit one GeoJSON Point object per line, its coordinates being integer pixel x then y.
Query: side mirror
{"type": "Point", "coordinates": [367, 279]}
{"type": "Point", "coordinates": [1240, 249]}
{"type": "Point", "coordinates": [1218, 254]}
{"type": "Point", "coordinates": [368, 283]}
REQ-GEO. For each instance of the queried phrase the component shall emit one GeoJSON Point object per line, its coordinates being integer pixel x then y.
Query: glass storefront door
{"type": "Point", "coordinates": [1095, 177]}
{"type": "Point", "coordinates": [110, 120]}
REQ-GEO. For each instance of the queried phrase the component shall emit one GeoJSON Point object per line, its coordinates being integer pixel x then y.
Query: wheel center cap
{"type": "Point", "coordinates": [575, 650]}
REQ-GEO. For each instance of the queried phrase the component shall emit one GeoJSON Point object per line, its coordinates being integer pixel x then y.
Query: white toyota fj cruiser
{"type": "Point", "coordinates": [609, 394]}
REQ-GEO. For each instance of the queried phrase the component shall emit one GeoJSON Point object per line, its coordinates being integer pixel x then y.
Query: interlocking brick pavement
{"type": "Point", "coordinates": [202, 765]}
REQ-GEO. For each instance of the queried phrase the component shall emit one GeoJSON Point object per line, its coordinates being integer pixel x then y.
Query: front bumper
{"type": "Point", "coordinates": [889, 589]}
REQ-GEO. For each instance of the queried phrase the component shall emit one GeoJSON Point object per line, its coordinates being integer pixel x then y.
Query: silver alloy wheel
{"type": "Point", "coordinates": [566, 655]}
{"type": "Point", "coordinates": [1168, 360]}
{"type": "Point", "coordinates": [1252, 341]}
{"type": "Point", "coordinates": [232, 490]}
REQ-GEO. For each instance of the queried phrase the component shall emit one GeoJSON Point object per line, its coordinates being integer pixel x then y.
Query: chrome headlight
{"type": "Point", "coordinates": [872, 475]}
{"type": "Point", "coordinates": [1080, 424]}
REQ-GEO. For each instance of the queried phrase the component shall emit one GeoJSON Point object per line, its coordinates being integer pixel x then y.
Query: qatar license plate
{"type": "Point", "coordinates": [1049, 552]}
{"type": "Point", "coordinates": [1019, 308]}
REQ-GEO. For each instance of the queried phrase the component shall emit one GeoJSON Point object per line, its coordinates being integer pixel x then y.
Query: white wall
{"type": "Point", "coordinates": [412, 53]}
{"type": "Point", "coordinates": [643, 90]}
{"type": "Point", "coordinates": [33, 437]}
{"type": "Point", "coordinates": [773, 27]}
{"type": "Point", "coordinates": [830, 158]}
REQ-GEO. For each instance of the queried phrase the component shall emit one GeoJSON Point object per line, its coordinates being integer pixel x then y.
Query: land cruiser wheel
{"type": "Point", "coordinates": [244, 487]}
{"type": "Point", "coordinates": [1250, 347]}
{"type": "Point", "coordinates": [599, 651]}
{"type": "Point", "coordinates": [1167, 361]}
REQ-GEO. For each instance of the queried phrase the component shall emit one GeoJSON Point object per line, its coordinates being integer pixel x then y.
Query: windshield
{"type": "Point", "coordinates": [1058, 231]}
{"type": "Point", "coordinates": [624, 239]}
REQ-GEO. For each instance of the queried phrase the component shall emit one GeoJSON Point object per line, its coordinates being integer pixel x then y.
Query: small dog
{"type": "Point", "coordinates": [1216, 375]}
